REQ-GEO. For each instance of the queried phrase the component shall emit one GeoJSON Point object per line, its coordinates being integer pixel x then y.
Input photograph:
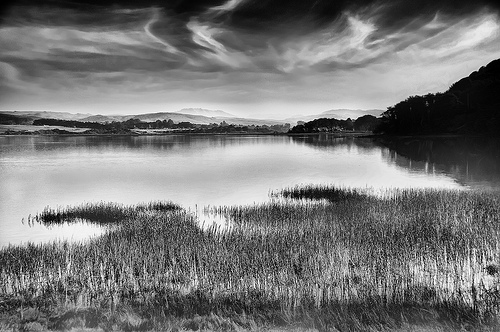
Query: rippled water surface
{"type": "Point", "coordinates": [197, 171]}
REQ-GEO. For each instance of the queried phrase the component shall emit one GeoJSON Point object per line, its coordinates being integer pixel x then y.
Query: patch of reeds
{"type": "Point", "coordinates": [407, 255]}
{"type": "Point", "coordinates": [99, 213]}
{"type": "Point", "coordinates": [318, 192]}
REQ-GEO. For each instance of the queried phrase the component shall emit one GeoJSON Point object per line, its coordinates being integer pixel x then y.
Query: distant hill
{"type": "Point", "coordinates": [205, 112]}
{"type": "Point", "coordinates": [103, 118]}
{"type": "Point", "coordinates": [200, 119]}
{"type": "Point", "coordinates": [470, 106]}
{"type": "Point", "coordinates": [150, 117]}
{"type": "Point", "coordinates": [27, 117]}
{"type": "Point", "coordinates": [180, 116]}
{"type": "Point", "coordinates": [341, 114]}
{"type": "Point", "coordinates": [10, 119]}
{"type": "Point", "coordinates": [176, 117]}
{"type": "Point", "coordinates": [192, 115]}
{"type": "Point", "coordinates": [47, 115]}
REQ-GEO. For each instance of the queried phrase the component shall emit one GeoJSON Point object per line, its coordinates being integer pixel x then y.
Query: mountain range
{"type": "Point", "coordinates": [178, 117]}
{"type": "Point", "coordinates": [205, 112]}
{"type": "Point", "coordinates": [192, 115]}
{"type": "Point", "coordinates": [33, 115]}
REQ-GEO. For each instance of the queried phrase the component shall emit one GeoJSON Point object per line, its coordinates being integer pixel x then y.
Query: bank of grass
{"type": "Point", "coordinates": [405, 260]}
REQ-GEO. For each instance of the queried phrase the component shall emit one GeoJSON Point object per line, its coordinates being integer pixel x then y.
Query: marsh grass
{"type": "Point", "coordinates": [358, 262]}
{"type": "Point", "coordinates": [330, 193]}
{"type": "Point", "coordinates": [99, 213]}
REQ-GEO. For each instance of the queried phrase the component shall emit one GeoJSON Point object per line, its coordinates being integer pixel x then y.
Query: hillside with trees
{"type": "Point", "coordinates": [366, 123]}
{"type": "Point", "coordinates": [469, 106]}
{"type": "Point", "coordinates": [9, 119]}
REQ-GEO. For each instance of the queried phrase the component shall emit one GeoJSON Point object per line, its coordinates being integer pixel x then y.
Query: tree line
{"type": "Point", "coordinates": [469, 106]}
{"type": "Point", "coordinates": [128, 125]}
{"type": "Point", "coordinates": [364, 123]}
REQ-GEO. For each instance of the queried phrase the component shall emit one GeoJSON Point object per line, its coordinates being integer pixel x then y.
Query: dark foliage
{"type": "Point", "coordinates": [363, 123]}
{"type": "Point", "coordinates": [9, 119]}
{"type": "Point", "coordinates": [125, 126]}
{"type": "Point", "coordinates": [99, 213]}
{"type": "Point", "coordinates": [332, 194]}
{"type": "Point", "coordinates": [470, 106]}
{"type": "Point", "coordinates": [323, 125]}
{"type": "Point", "coordinates": [366, 123]}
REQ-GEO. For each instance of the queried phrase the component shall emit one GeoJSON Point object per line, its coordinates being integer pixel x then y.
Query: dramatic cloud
{"type": "Point", "coordinates": [266, 58]}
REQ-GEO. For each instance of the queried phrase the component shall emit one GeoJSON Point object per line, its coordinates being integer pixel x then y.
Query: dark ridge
{"type": "Point", "coordinates": [471, 106]}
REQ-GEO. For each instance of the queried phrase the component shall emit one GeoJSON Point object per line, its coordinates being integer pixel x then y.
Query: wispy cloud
{"type": "Point", "coordinates": [212, 50]}
{"type": "Point", "coordinates": [360, 55]}
{"type": "Point", "coordinates": [333, 44]}
{"type": "Point", "coordinates": [147, 28]}
{"type": "Point", "coordinates": [228, 6]}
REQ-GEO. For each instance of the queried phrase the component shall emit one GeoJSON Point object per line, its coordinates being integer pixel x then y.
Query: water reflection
{"type": "Point", "coordinates": [472, 161]}
{"type": "Point", "coordinates": [23, 144]}
{"type": "Point", "coordinates": [201, 170]}
{"type": "Point", "coordinates": [212, 218]}
{"type": "Point", "coordinates": [328, 142]}
{"type": "Point", "coordinates": [77, 231]}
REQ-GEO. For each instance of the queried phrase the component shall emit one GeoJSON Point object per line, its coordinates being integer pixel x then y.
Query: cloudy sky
{"type": "Point", "coordinates": [258, 58]}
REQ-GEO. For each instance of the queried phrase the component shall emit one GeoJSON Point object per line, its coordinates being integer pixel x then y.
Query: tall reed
{"type": "Point", "coordinates": [407, 248]}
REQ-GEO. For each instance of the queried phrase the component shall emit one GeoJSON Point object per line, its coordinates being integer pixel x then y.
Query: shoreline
{"type": "Point", "coordinates": [340, 134]}
{"type": "Point", "coordinates": [169, 133]}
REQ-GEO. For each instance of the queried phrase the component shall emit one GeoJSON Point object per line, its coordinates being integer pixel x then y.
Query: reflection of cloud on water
{"type": "Point", "coordinates": [155, 143]}
{"type": "Point", "coordinates": [211, 218]}
{"type": "Point", "coordinates": [76, 231]}
{"type": "Point", "coordinates": [220, 218]}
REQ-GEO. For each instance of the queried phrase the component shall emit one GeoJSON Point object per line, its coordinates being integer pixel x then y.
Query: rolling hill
{"type": "Point", "coordinates": [340, 114]}
{"type": "Point", "coordinates": [192, 115]}
{"type": "Point", "coordinates": [471, 106]}
{"type": "Point", "coordinates": [28, 117]}
{"type": "Point", "coordinates": [205, 112]}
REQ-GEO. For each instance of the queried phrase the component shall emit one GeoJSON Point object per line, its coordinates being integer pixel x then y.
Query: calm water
{"type": "Point", "coordinates": [207, 170]}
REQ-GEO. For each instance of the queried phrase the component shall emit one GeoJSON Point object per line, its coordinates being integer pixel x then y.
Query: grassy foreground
{"type": "Point", "coordinates": [408, 260]}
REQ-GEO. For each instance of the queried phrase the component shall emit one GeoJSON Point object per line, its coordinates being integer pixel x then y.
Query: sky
{"type": "Point", "coordinates": [252, 58]}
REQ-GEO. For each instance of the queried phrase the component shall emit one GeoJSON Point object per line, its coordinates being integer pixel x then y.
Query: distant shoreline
{"type": "Point", "coordinates": [70, 132]}
{"type": "Point", "coordinates": [334, 135]}
{"type": "Point", "coordinates": [60, 131]}
{"type": "Point", "coordinates": [148, 134]}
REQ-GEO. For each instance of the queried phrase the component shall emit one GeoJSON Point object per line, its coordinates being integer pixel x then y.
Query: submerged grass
{"type": "Point", "coordinates": [357, 263]}
{"type": "Point", "coordinates": [99, 213]}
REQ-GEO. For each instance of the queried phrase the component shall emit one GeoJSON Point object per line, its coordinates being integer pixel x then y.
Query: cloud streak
{"type": "Point", "coordinates": [147, 28]}
{"type": "Point", "coordinates": [226, 7]}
